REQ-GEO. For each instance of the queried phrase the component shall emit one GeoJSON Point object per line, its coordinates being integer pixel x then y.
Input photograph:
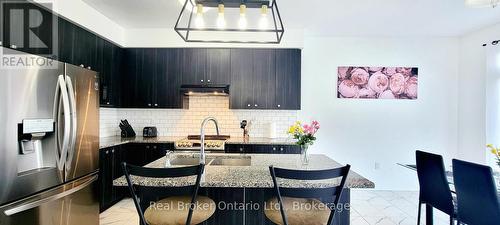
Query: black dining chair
{"type": "Point", "coordinates": [434, 187]}
{"type": "Point", "coordinates": [182, 208]}
{"type": "Point", "coordinates": [288, 198]}
{"type": "Point", "coordinates": [477, 195]}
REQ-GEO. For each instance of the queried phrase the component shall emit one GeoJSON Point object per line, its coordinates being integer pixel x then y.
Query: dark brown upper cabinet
{"type": "Point", "coordinates": [288, 88]}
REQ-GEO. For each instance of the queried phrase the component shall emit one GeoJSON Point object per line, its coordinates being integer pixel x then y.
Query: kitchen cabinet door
{"type": "Point", "coordinates": [288, 71]}
{"type": "Point", "coordinates": [194, 65]}
{"type": "Point", "coordinates": [218, 66]}
{"type": "Point", "coordinates": [168, 78]}
{"type": "Point", "coordinates": [66, 41]}
{"type": "Point", "coordinates": [241, 89]}
{"type": "Point", "coordinates": [264, 78]}
{"type": "Point", "coordinates": [136, 91]}
{"type": "Point", "coordinates": [146, 78]}
{"type": "Point", "coordinates": [105, 171]}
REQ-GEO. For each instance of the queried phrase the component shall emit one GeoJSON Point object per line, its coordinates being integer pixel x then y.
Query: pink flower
{"type": "Point", "coordinates": [411, 89]}
{"type": "Point", "coordinates": [389, 71]}
{"type": "Point", "coordinates": [375, 69]}
{"type": "Point", "coordinates": [342, 72]}
{"type": "Point", "coordinates": [404, 70]}
{"type": "Point", "coordinates": [378, 82]}
{"type": "Point", "coordinates": [359, 76]}
{"type": "Point", "coordinates": [387, 95]}
{"type": "Point", "coordinates": [367, 93]}
{"type": "Point", "coordinates": [348, 89]}
{"type": "Point", "coordinates": [315, 124]}
{"type": "Point", "coordinates": [397, 83]}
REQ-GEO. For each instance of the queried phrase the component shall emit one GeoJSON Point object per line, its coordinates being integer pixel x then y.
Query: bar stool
{"type": "Point", "coordinates": [283, 209]}
{"type": "Point", "coordinates": [476, 193]}
{"type": "Point", "coordinates": [182, 209]}
{"type": "Point", "coordinates": [434, 188]}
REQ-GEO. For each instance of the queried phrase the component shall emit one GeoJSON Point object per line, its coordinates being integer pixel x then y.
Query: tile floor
{"type": "Point", "coordinates": [369, 207]}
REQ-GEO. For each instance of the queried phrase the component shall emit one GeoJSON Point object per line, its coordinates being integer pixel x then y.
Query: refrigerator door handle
{"type": "Point", "coordinates": [62, 94]}
{"type": "Point", "coordinates": [73, 119]}
{"type": "Point", "coordinates": [38, 202]}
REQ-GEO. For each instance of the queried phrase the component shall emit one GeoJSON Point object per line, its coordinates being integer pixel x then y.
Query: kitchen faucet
{"type": "Point", "coordinates": [202, 136]}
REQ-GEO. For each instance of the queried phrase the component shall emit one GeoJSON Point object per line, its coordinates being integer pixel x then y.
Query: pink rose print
{"type": "Point", "coordinates": [367, 93]}
{"type": "Point", "coordinates": [348, 89]}
{"type": "Point", "coordinates": [359, 76]}
{"type": "Point", "coordinates": [342, 72]}
{"type": "Point", "coordinates": [411, 89]}
{"type": "Point", "coordinates": [375, 69]}
{"type": "Point", "coordinates": [387, 95]}
{"type": "Point", "coordinates": [397, 83]}
{"type": "Point", "coordinates": [378, 82]}
{"type": "Point", "coordinates": [404, 70]}
{"type": "Point", "coordinates": [389, 71]}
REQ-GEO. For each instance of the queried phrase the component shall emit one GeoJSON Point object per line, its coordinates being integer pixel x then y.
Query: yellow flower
{"type": "Point", "coordinates": [493, 150]}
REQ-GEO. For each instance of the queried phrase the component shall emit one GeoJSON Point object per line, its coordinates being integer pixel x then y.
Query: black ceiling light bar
{"type": "Point", "coordinates": [230, 21]}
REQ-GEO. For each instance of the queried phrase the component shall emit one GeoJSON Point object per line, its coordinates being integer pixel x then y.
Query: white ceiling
{"type": "Point", "coordinates": [329, 17]}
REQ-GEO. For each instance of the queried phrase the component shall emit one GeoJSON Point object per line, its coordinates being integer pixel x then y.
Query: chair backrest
{"type": "Point", "coordinates": [476, 194]}
{"type": "Point", "coordinates": [139, 190]}
{"type": "Point", "coordinates": [434, 186]}
{"type": "Point", "coordinates": [334, 192]}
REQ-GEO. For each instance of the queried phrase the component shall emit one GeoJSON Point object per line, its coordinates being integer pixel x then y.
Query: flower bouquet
{"type": "Point", "coordinates": [304, 134]}
{"type": "Point", "coordinates": [495, 151]}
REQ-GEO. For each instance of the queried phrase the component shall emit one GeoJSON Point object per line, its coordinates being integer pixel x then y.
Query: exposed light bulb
{"type": "Point", "coordinates": [199, 22]}
{"type": "Point", "coordinates": [221, 21]}
{"type": "Point", "coordinates": [263, 21]}
{"type": "Point", "coordinates": [242, 23]}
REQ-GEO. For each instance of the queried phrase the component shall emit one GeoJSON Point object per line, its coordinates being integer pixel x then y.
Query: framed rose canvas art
{"type": "Point", "coordinates": [377, 82]}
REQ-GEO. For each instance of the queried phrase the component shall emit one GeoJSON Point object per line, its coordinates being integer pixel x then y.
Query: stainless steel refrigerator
{"type": "Point", "coordinates": [49, 143]}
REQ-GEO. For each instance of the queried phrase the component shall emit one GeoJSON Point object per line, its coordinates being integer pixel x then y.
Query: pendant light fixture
{"type": "Point", "coordinates": [233, 21]}
{"type": "Point", "coordinates": [482, 3]}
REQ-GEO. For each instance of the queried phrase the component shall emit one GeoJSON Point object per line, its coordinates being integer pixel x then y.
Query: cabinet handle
{"type": "Point", "coordinates": [208, 81]}
{"type": "Point", "coordinates": [281, 149]}
{"type": "Point", "coordinates": [107, 152]}
{"type": "Point", "coordinates": [201, 81]}
{"type": "Point", "coordinates": [89, 67]}
{"type": "Point", "coordinates": [248, 105]}
{"type": "Point", "coordinates": [241, 149]}
{"type": "Point", "coordinates": [147, 146]}
{"type": "Point", "coordinates": [113, 151]}
{"type": "Point", "coordinates": [274, 148]}
{"type": "Point", "coordinates": [154, 147]}
{"type": "Point", "coordinates": [156, 104]}
{"type": "Point", "coordinates": [279, 106]}
{"type": "Point", "coordinates": [81, 65]}
{"type": "Point", "coordinates": [13, 46]}
{"type": "Point", "coordinates": [256, 105]}
{"type": "Point", "coordinates": [149, 104]}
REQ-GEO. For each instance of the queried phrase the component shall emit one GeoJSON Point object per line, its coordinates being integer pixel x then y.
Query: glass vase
{"type": "Point", "coordinates": [304, 157]}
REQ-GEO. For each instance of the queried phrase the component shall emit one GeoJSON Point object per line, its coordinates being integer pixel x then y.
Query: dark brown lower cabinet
{"type": "Point", "coordinates": [110, 167]}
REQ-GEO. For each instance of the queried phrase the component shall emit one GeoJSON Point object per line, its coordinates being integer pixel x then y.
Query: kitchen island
{"type": "Point", "coordinates": [244, 180]}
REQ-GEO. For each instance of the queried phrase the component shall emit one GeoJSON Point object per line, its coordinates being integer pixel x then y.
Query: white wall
{"type": "Point", "coordinates": [365, 132]}
{"type": "Point", "coordinates": [472, 94]}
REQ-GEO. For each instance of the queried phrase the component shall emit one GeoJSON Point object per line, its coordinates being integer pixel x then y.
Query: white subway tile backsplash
{"type": "Point", "coordinates": [181, 122]}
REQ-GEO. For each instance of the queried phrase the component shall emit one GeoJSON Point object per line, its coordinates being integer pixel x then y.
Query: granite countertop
{"type": "Point", "coordinates": [106, 142]}
{"type": "Point", "coordinates": [254, 176]}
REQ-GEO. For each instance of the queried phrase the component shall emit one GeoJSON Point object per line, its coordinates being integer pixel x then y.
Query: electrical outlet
{"type": "Point", "coordinates": [377, 165]}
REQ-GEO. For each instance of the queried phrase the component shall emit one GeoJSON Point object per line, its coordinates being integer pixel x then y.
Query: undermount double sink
{"type": "Point", "coordinates": [213, 161]}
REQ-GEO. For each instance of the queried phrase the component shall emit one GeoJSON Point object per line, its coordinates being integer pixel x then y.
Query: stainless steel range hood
{"type": "Point", "coordinates": [205, 90]}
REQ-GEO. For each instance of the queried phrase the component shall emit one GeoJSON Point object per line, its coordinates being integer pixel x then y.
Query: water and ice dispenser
{"type": "Point", "coordinates": [32, 133]}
